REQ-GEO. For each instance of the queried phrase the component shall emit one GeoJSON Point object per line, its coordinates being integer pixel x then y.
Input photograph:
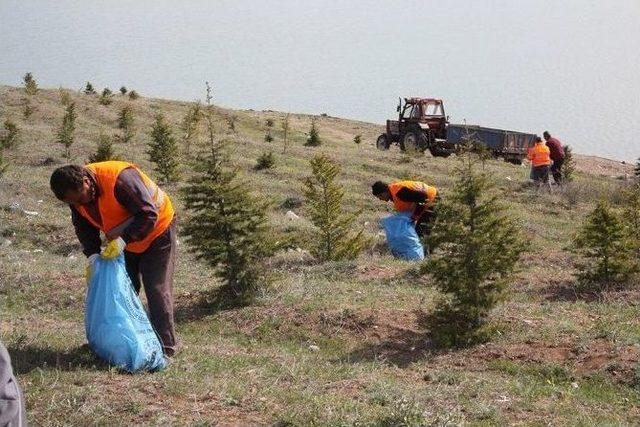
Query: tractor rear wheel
{"type": "Point", "coordinates": [382, 143]}
{"type": "Point", "coordinates": [410, 141]}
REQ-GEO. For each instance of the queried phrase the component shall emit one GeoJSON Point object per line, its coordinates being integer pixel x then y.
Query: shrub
{"type": "Point", "coordinates": [476, 246]}
{"type": "Point", "coordinates": [65, 98]}
{"type": "Point", "coordinates": [28, 110]}
{"type": "Point", "coordinates": [269, 123]}
{"type": "Point", "coordinates": [30, 85]}
{"type": "Point", "coordinates": [313, 139]}
{"type": "Point", "coordinates": [66, 130]}
{"type": "Point", "coordinates": [231, 122]}
{"type": "Point", "coordinates": [163, 151]}
{"type": "Point", "coordinates": [133, 95]}
{"type": "Point", "coordinates": [357, 139]}
{"type": "Point", "coordinates": [123, 90]}
{"type": "Point", "coordinates": [336, 240]}
{"type": "Point", "coordinates": [265, 161]}
{"type": "Point", "coordinates": [268, 137]}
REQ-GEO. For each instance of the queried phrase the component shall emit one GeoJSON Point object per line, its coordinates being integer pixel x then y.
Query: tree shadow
{"type": "Point", "coordinates": [399, 347]}
{"type": "Point", "coordinates": [27, 357]}
{"type": "Point", "coordinates": [192, 308]}
{"type": "Point", "coordinates": [568, 291]}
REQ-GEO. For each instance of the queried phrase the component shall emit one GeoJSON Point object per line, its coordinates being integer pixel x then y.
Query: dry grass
{"type": "Point", "coordinates": [560, 358]}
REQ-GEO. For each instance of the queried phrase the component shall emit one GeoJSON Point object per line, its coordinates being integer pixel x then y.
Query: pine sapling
{"type": "Point", "coordinates": [190, 126]}
{"type": "Point", "coordinates": [357, 139]}
{"type": "Point", "coordinates": [30, 85]}
{"type": "Point", "coordinates": [67, 128]}
{"type": "Point", "coordinates": [336, 239]}
{"type": "Point", "coordinates": [604, 249]}
{"type": "Point", "coordinates": [476, 245]}
{"type": "Point", "coordinates": [569, 166]}
{"type": "Point", "coordinates": [105, 97]}
{"type": "Point", "coordinates": [125, 124]}
{"type": "Point", "coordinates": [265, 161]}
{"type": "Point", "coordinates": [133, 95]}
{"type": "Point", "coordinates": [105, 150]}
{"type": "Point", "coordinates": [89, 89]}
{"type": "Point", "coordinates": [10, 137]}
{"type": "Point", "coordinates": [313, 139]}
{"type": "Point", "coordinates": [123, 90]}
{"type": "Point", "coordinates": [285, 132]}
{"type": "Point", "coordinates": [163, 151]}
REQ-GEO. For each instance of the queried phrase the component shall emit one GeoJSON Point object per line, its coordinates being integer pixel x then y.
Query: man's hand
{"type": "Point", "coordinates": [114, 248]}
{"type": "Point", "coordinates": [88, 272]}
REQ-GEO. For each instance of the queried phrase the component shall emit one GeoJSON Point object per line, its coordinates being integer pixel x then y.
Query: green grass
{"type": "Point", "coordinates": [256, 365]}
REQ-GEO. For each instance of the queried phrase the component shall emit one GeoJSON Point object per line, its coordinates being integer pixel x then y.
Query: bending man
{"type": "Point", "coordinates": [137, 218]}
{"type": "Point", "coordinates": [410, 196]}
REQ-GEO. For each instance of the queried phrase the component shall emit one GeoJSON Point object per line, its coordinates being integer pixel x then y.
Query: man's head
{"type": "Point", "coordinates": [72, 185]}
{"type": "Point", "coordinates": [381, 190]}
{"type": "Point", "coordinates": [546, 135]}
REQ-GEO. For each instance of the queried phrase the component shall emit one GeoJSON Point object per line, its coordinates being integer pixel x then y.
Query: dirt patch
{"type": "Point", "coordinates": [595, 165]}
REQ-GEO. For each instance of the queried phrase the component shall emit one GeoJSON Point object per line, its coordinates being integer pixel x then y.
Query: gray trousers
{"type": "Point", "coordinates": [12, 408]}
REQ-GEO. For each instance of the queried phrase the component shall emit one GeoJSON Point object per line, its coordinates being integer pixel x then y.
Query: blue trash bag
{"type": "Point", "coordinates": [117, 327]}
{"type": "Point", "coordinates": [402, 237]}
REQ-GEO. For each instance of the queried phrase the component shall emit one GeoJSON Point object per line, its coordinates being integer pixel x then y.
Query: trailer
{"type": "Point", "coordinates": [510, 145]}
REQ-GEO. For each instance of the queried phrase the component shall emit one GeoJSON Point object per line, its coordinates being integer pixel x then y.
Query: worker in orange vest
{"type": "Point", "coordinates": [540, 158]}
{"type": "Point", "coordinates": [137, 219]}
{"type": "Point", "coordinates": [410, 196]}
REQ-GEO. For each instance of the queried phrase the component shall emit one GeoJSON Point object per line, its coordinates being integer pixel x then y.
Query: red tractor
{"type": "Point", "coordinates": [421, 125]}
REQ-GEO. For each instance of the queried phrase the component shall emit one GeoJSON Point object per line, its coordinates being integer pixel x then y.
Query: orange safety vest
{"type": "Point", "coordinates": [539, 155]}
{"type": "Point", "coordinates": [114, 216]}
{"type": "Point", "coordinates": [402, 206]}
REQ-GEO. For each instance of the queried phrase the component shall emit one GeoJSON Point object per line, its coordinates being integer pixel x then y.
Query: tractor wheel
{"type": "Point", "coordinates": [410, 142]}
{"type": "Point", "coordinates": [382, 143]}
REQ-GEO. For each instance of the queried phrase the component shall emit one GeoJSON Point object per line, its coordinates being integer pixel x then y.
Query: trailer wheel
{"type": "Point", "coordinates": [410, 142]}
{"type": "Point", "coordinates": [382, 143]}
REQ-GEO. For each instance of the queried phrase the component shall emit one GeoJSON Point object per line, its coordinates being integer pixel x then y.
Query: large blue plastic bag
{"type": "Point", "coordinates": [402, 237]}
{"type": "Point", "coordinates": [117, 327]}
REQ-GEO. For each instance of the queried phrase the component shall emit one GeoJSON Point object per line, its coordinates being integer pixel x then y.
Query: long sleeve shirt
{"type": "Point", "coordinates": [133, 195]}
{"type": "Point", "coordinates": [555, 148]}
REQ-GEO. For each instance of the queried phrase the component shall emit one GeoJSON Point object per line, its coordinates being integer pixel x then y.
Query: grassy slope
{"type": "Point", "coordinates": [561, 358]}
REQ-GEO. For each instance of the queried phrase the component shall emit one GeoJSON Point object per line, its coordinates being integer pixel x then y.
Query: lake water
{"type": "Point", "coordinates": [572, 67]}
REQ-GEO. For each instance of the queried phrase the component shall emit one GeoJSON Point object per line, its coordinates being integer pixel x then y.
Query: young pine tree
{"type": "Point", "coordinates": [105, 97]}
{"type": "Point", "coordinates": [569, 165]}
{"type": "Point", "coordinates": [163, 151]}
{"type": "Point", "coordinates": [66, 130]}
{"type": "Point", "coordinates": [123, 90]}
{"type": "Point", "coordinates": [226, 226]}
{"type": "Point", "coordinates": [11, 135]}
{"type": "Point", "coordinates": [125, 124]}
{"type": "Point", "coordinates": [105, 150]}
{"type": "Point", "coordinates": [265, 161]}
{"type": "Point", "coordinates": [232, 119]}
{"type": "Point", "coordinates": [190, 126]}
{"type": "Point", "coordinates": [28, 110]}
{"type": "Point", "coordinates": [313, 140]}
{"type": "Point", "coordinates": [357, 139]}
{"type": "Point", "coordinates": [604, 248]}
{"type": "Point", "coordinates": [476, 246]}
{"type": "Point", "coordinates": [30, 85]}
{"type": "Point", "coordinates": [133, 95]}
{"type": "Point", "coordinates": [89, 89]}
{"type": "Point", "coordinates": [285, 132]}
{"type": "Point", "coordinates": [65, 97]}
{"type": "Point", "coordinates": [336, 240]}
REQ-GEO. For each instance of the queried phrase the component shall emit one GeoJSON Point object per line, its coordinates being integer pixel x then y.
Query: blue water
{"type": "Point", "coordinates": [571, 67]}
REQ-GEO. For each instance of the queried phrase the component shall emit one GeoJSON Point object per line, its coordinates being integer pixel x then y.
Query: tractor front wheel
{"type": "Point", "coordinates": [410, 142]}
{"type": "Point", "coordinates": [382, 143]}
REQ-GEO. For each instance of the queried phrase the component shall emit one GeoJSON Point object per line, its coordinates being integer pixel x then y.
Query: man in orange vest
{"type": "Point", "coordinates": [137, 218]}
{"type": "Point", "coordinates": [410, 196]}
{"type": "Point", "coordinates": [540, 158]}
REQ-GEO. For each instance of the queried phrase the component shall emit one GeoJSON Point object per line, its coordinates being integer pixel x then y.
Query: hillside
{"type": "Point", "coordinates": [561, 357]}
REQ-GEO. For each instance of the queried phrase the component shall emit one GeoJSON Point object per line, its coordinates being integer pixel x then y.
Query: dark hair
{"type": "Point", "coordinates": [379, 187]}
{"type": "Point", "coordinates": [546, 134]}
{"type": "Point", "coordinates": [537, 139]}
{"type": "Point", "coordinates": [66, 178]}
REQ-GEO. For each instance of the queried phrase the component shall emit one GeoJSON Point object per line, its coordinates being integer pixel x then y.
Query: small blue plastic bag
{"type": "Point", "coordinates": [402, 237]}
{"type": "Point", "coordinates": [117, 327]}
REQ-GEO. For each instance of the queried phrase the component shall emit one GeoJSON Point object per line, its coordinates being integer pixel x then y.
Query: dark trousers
{"type": "Point", "coordinates": [556, 170]}
{"type": "Point", "coordinates": [155, 268]}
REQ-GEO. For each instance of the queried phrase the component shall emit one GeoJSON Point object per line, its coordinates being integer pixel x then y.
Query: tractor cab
{"type": "Point", "coordinates": [428, 113]}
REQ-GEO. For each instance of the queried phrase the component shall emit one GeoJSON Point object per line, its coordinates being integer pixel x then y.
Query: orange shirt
{"type": "Point", "coordinates": [539, 155]}
{"type": "Point", "coordinates": [401, 205]}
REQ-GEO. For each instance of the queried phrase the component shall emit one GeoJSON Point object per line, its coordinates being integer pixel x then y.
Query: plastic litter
{"type": "Point", "coordinates": [402, 238]}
